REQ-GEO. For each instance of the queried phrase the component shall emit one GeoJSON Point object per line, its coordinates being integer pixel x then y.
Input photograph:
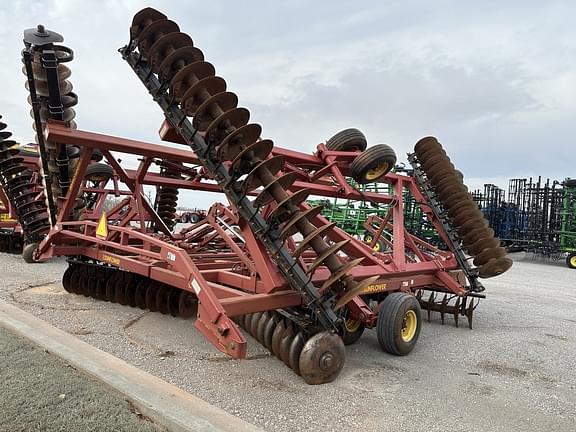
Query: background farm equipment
{"type": "Point", "coordinates": [266, 261]}
{"type": "Point", "coordinates": [352, 215]}
{"type": "Point", "coordinates": [536, 216]}
{"type": "Point", "coordinates": [10, 231]}
{"type": "Point", "coordinates": [190, 215]}
{"type": "Point", "coordinates": [21, 206]}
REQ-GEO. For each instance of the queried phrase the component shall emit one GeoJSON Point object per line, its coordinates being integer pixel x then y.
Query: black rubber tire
{"type": "Point", "coordinates": [570, 260]}
{"type": "Point", "coordinates": [28, 252]}
{"type": "Point", "coordinates": [98, 172]}
{"type": "Point", "coordinates": [73, 152]}
{"type": "Point", "coordinates": [367, 237]}
{"type": "Point", "coordinates": [570, 183]}
{"type": "Point", "coordinates": [350, 337]}
{"type": "Point", "coordinates": [194, 218]}
{"type": "Point", "coordinates": [347, 140]}
{"type": "Point", "coordinates": [370, 159]}
{"type": "Point", "coordinates": [184, 218]}
{"type": "Point", "coordinates": [390, 321]}
{"type": "Point", "coordinates": [380, 246]}
{"type": "Point", "coordinates": [97, 155]}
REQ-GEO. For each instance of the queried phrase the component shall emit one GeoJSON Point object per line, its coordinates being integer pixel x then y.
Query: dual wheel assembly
{"type": "Point", "coordinates": [372, 163]}
{"type": "Point", "coordinates": [571, 260]}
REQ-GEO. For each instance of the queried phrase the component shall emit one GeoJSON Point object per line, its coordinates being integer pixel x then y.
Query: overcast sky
{"type": "Point", "coordinates": [494, 81]}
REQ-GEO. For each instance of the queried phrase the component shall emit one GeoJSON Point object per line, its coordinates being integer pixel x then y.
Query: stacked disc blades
{"type": "Point", "coordinates": [465, 216]}
{"type": "Point", "coordinates": [298, 351]}
{"type": "Point", "coordinates": [109, 284]}
{"type": "Point", "coordinates": [43, 40]}
{"type": "Point", "coordinates": [19, 187]}
{"type": "Point", "coordinates": [234, 142]}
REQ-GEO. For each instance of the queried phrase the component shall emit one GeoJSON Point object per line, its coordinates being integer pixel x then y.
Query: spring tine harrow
{"type": "Point", "coordinates": [448, 304]}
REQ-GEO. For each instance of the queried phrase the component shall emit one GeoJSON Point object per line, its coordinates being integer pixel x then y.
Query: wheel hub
{"type": "Point", "coordinates": [377, 172]}
{"type": "Point", "coordinates": [409, 326]}
{"type": "Point", "coordinates": [322, 358]}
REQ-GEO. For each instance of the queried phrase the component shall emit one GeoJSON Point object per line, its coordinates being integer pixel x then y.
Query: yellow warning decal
{"type": "Point", "coordinates": [102, 228]}
{"type": "Point", "coordinates": [374, 288]}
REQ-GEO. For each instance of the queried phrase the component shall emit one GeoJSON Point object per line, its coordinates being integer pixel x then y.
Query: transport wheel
{"type": "Point", "coordinates": [97, 155]}
{"type": "Point", "coordinates": [195, 218]}
{"type": "Point", "coordinates": [347, 140]}
{"type": "Point", "coordinates": [571, 260]}
{"type": "Point", "coordinates": [28, 252]}
{"type": "Point", "coordinates": [399, 322]}
{"type": "Point", "coordinates": [373, 164]}
{"type": "Point", "coordinates": [184, 218]}
{"type": "Point", "coordinates": [379, 246]}
{"type": "Point", "coordinates": [352, 331]}
{"type": "Point", "coordinates": [368, 237]}
{"type": "Point", "coordinates": [98, 172]}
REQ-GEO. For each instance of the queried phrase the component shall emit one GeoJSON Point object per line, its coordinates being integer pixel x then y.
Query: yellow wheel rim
{"type": "Point", "coordinates": [351, 325]}
{"type": "Point", "coordinates": [573, 261]}
{"type": "Point", "coordinates": [409, 326]}
{"type": "Point", "coordinates": [377, 247]}
{"type": "Point", "coordinates": [376, 172]}
{"type": "Point", "coordinates": [368, 239]}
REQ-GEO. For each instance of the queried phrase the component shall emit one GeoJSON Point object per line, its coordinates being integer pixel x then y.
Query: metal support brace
{"type": "Point", "coordinates": [27, 58]}
{"type": "Point", "coordinates": [321, 307]}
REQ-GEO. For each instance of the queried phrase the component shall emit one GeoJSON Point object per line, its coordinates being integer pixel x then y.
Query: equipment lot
{"type": "Point", "coordinates": [514, 371]}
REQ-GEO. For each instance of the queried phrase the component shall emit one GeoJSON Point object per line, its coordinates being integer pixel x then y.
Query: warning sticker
{"type": "Point", "coordinates": [102, 228]}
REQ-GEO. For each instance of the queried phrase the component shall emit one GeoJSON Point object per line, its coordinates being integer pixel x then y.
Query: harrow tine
{"type": "Point", "coordinates": [431, 299]}
{"type": "Point", "coordinates": [457, 311]}
{"type": "Point", "coordinates": [443, 307]}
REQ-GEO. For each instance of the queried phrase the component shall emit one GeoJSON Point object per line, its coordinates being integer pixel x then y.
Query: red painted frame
{"type": "Point", "coordinates": [230, 272]}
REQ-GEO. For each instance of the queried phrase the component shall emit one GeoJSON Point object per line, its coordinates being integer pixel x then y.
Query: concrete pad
{"type": "Point", "coordinates": [164, 403]}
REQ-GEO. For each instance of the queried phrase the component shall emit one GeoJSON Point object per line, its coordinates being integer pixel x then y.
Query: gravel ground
{"type": "Point", "coordinates": [41, 393]}
{"type": "Point", "coordinates": [514, 371]}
